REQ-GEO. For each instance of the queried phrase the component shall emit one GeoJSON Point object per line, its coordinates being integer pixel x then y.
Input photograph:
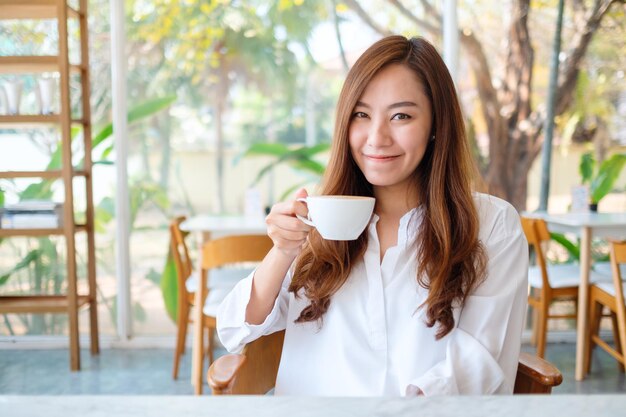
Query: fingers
{"type": "Point", "coordinates": [290, 228]}
{"type": "Point", "coordinates": [301, 193]}
{"type": "Point", "coordinates": [299, 207]}
{"type": "Point", "coordinates": [290, 209]}
{"type": "Point", "coordinates": [288, 240]}
{"type": "Point", "coordinates": [283, 214]}
{"type": "Point", "coordinates": [287, 223]}
{"type": "Point", "coordinates": [286, 245]}
{"type": "Point", "coordinates": [286, 231]}
{"type": "Point", "coordinates": [413, 391]}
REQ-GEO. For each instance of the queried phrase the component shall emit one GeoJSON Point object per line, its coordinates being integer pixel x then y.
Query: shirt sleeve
{"type": "Point", "coordinates": [482, 352]}
{"type": "Point", "coordinates": [233, 330]}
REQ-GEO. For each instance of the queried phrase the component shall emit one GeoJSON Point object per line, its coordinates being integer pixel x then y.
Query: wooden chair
{"type": "Point", "coordinates": [186, 289]}
{"type": "Point", "coordinates": [548, 283]}
{"type": "Point", "coordinates": [611, 296]}
{"type": "Point", "coordinates": [216, 255]}
{"type": "Point", "coordinates": [254, 371]}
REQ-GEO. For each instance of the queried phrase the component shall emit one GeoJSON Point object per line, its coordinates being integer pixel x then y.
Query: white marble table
{"type": "Point", "coordinates": [207, 227]}
{"type": "Point", "coordinates": [166, 406]}
{"type": "Point", "coordinates": [586, 226]}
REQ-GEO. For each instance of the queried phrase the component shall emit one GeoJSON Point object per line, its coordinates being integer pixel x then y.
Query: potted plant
{"type": "Point", "coordinates": [600, 180]}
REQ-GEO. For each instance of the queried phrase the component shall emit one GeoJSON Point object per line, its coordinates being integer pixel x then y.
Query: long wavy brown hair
{"type": "Point", "coordinates": [450, 256]}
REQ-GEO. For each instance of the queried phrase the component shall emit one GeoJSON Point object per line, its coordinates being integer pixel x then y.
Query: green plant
{"type": "Point", "coordinates": [599, 251]}
{"type": "Point", "coordinates": [40, 265]}
{"type": "Point", "coordinates": [169, 286]}
{"type": "Point", "coordinates": [301, 159]}
{"type": "Point", "coordinates": [600, 182]}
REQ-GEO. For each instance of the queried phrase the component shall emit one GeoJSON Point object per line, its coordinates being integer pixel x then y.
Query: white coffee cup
{"type": "Point", "coordinates": [338, 217]}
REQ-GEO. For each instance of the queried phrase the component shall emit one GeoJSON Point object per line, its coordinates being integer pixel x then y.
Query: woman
{"type": "Point", "coordinates": [431, 298]}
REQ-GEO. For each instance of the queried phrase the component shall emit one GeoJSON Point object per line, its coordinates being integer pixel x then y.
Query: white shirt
{"type": "Point", "coordinates": [373, 340]}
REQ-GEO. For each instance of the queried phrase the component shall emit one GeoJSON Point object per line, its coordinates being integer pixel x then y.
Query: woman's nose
{"type": "Point", "coordinates": [378, 135]}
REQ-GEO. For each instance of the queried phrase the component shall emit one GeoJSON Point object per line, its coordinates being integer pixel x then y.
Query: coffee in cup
{"type": "Point", "coordinates": [338, 217]}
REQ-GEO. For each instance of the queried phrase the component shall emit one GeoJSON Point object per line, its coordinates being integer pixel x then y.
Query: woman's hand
{"type": "Point", "coordinates": [413, 391]}
{"type": "Point", "coordinates": [288, 234]}
{"type": "Point", "coordinates": [286, 231]}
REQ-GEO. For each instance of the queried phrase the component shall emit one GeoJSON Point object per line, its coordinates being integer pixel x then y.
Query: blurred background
{"type": "Point", "coordinates": [232, 98]}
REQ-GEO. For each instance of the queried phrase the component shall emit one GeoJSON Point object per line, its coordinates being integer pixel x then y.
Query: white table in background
{"type": "Point", "coordinates": [207, 227]}
{"type": "Point", "coordinates": [213, 226]}
{"type": "Point", "coordinates": [586, 226]}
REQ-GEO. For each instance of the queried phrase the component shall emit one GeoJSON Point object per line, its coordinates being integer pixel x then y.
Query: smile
{"type": "Point", "coordinates": [380, 158]}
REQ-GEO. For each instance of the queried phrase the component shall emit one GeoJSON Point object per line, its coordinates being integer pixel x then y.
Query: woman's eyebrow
{"type": "Point", "coordinates": [391, 106]}
{"type": "Point", "coordinates": [402, 104]}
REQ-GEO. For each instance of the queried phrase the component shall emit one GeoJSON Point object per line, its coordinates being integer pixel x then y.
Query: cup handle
{"type": "Point", "coordinates": [305, 220]}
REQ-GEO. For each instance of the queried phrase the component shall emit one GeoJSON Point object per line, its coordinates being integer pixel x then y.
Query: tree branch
{"type": "Point", "coordinates": [578, 6]}
{"type": "Point", "coordinates": [516, 92]}
{"type": "Point", "coordinates": [434, 30]}
{"type": "Point", "coordinates": [430, 9]}
{"type": "Point", "coordinates": [489, 101]}
{"type": "Point", "coordinates": [582, 39]}
{"type": "Point", "coordinates": [342, 52]}
{"type": "Point", "coordinates": [519, 65]}
{"type": "Point", "coordinates": [356, 7]}
{"type": "Point", "coordinates": [536, 144]}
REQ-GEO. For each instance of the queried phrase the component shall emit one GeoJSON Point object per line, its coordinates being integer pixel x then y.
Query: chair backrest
{"type": "Point", "coordinates": [537, 233]}
{"type": "Point", "coordinates": [231, 250]}
{"type": "Point", "coordinates": [180, 253]}
{"type": "Point", "coordinates": [618, 256]}
{"type": "Point", "coordinates": [253, 372]}
{"type": "Point", "coordinates": [235, 249]}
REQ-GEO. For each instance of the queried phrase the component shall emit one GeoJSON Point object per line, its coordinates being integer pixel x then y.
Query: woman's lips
{"type": "Point", "coordinates": [380, 158]}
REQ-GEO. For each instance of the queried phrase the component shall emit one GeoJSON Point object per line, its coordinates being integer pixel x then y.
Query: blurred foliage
{"type": "Point", "coordinates": [169, 287]}
{"type": "Point", "coordinates": [254, 58]}
{"type": "Point", "coordinates": [594, 103]}
{"type": "Point", "coordinates": [42, 266]}
{"type": "Point", "coordinates": [301, 158]}
{"type": "Point", "coordinates": [602, 179]}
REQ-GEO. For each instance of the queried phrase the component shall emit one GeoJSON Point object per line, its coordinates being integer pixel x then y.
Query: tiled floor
{"type": "Point", "coordinates": [604, 378]}
{"type": "Point", "coordinates": [113, 372]}
{"type": "Point", "coordinates": [148, 371]}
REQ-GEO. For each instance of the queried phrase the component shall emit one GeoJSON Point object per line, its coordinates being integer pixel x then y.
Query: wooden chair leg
{"type": "Point", "coordinates": [181, 335]}
{"type": "Point", "coordinates": [597, 318]}
{"type": "Point", "coordinates": [618, 343]}
{"type": "Point", "coordinates": [595, 312]}
{"type": "Point", "coordinates": [211, 344]}
{"type": "Point", "coordinates": [199, 371]}
{"type": "Point", "coordinates": [535, 326]}
{"type": "Point", "coordinates": [185, 324]}
{"type": "Point", "coordinates": [542, 330]}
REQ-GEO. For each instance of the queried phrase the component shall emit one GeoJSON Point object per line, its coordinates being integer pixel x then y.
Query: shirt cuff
{"type": "Point", "coordinates": [433, 385]}
{"type": "Point", "coordinates": [232, 329]}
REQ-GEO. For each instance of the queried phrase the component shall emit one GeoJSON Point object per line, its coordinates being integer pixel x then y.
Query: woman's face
{"type": "Point", "coordinates": [390, 128]}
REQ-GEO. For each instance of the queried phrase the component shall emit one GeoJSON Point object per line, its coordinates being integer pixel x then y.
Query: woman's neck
{"type": "Point", "coordinates": [391, 204]}
{"type": "Point", "coordinates": [395, 202]}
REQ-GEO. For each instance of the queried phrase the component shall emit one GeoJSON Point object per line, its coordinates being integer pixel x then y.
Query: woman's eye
{"type": "Point", "coordinates": [400, 116]}
{"type": "Point", "coordinates": [359, 115]}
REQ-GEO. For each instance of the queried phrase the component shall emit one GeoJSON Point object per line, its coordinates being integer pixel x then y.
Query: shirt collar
{"type": "Point", "coordinates": [408, 227]}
